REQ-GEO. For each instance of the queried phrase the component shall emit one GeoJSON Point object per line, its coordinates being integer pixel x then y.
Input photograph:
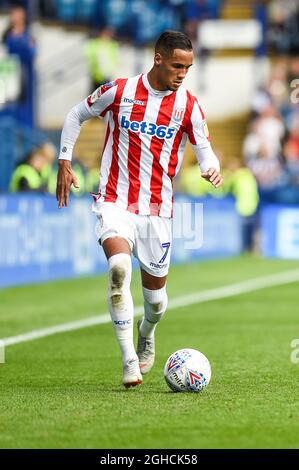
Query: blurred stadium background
{"type": "Point", "coordinates": [53, 53]}
{"type": "Point", "coordinates": [246, 77]}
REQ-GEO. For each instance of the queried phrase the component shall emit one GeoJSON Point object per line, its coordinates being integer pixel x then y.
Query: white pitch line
{"type": "Point", "coordinates": [212, 294]}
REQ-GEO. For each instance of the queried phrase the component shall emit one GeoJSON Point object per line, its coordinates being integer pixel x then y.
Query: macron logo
{"type": "Point", "coordinates": [129, 100]}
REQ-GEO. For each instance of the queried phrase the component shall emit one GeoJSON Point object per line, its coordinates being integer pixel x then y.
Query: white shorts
{"type": "Point", "coordinates": [149, 236]}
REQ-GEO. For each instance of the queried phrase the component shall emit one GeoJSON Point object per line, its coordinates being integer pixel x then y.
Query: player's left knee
{"type": "Point", "coordinates": [156, 300]}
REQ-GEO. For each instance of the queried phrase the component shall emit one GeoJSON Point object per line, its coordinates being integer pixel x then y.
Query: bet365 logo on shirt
{"type": "Point", "coordinates": [148, 128]}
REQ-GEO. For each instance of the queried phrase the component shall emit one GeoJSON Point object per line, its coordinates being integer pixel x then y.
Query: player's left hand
{"type": "Point", "coordinates": [213, 176]}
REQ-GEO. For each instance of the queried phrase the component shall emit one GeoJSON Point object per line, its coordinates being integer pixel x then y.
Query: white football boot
{"type": "Point", "coordinates": [145, 351]}
{"type": "Point", "coordinates": [131, 373]}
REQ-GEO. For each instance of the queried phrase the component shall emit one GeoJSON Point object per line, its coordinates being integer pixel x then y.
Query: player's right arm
{"type": "Point", "coordinates": [96, 105]}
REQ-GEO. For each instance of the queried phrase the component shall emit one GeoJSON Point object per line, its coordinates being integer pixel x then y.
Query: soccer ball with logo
{"type": "Point", "coordinates": [187, 370]}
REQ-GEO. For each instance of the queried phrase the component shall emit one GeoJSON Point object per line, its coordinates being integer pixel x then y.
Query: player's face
{"type": "Point", "coordinates": [172, 70]}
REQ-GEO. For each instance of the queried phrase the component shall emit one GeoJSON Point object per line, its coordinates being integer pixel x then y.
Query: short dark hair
{"type": "Point", "coordinates": [170, 40]}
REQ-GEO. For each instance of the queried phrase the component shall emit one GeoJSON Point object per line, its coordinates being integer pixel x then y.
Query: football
{"type": "Point", "coordinates": [187, 370]}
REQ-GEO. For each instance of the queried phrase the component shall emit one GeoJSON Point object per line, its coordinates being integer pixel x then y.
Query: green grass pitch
{"type": "Point", "coordinates": [65, 391]}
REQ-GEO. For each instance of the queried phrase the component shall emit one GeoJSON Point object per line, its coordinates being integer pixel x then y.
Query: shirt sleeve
{"type": "Point", "coordinates": [95, 105]}
{"type": "Point", "coordinates": [71, 129]}
{"type": "Point", "coordinates": [102, 99]}
{"type": "Point", "coordinates": [199, 137]}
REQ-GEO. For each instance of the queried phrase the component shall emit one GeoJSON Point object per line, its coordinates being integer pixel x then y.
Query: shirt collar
{"type": "Point", "coordinates": [152, 90]}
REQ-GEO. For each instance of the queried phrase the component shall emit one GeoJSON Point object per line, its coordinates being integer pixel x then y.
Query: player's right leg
{"type": "Point", "coordinates": [121, 305]}
{"type": "Point", "coordinates": [116, 236]}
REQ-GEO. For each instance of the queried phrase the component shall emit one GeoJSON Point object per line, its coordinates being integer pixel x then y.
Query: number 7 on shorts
{"type": "Point", "coordinates": [166, 246]}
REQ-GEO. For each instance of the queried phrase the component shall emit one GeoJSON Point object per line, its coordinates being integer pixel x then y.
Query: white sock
{"type": "Point", "coordinates": [120, 303]}
{"type": "Point", "coordinates": [155, 304]}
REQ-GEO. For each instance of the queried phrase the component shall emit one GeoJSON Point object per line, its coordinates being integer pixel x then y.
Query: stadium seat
{"type": "Point", "coordinates": [66, 9]}
{"type": "Point", "coordinates": [85, 9]}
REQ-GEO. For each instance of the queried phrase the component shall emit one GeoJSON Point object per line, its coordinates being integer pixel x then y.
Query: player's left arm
{"type": "Point", "coordinates": [199, 138]}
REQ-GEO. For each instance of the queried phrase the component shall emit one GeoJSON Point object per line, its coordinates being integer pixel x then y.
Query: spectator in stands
{"type": "Point", "coordinates": [271, 148]}
{"type": "Point", "coordinates": [275, 92]}
{"type": "Point", "coordinates": [283, 26]}
{"type": "Point", "coordinates": [49, 173]}
{"type": "Point", "coordinates": [32, 174]}
{"type": "Point", "coordinates": [18, 41]}
{"type": "Point", "coordinates": [293, 140]}
{"type": "Point", "coordinates": [262, 146]}
{"type": "Point", "coordinates": [102, 54]}
{"type": "Point", "coordinates": [291, 154]}
{"type": "Point", "coordinates": [268, 170]}
{"type": "Point", "coordinates": [241, 183]}
{"type": "Point", "coordinates": [271, 130]}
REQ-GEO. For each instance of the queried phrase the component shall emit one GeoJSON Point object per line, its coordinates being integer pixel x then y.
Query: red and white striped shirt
{"type": "Point", "coordinates": [145, 141]}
